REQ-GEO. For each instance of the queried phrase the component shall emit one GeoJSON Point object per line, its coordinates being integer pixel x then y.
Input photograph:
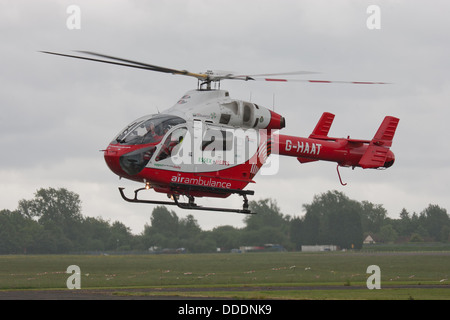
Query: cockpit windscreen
{"type": "Point", "coordinates": [149, 129]}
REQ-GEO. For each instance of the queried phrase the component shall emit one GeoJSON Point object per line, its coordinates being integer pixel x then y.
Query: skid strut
{"type": "Point", "coordinates": [339, 175]}
{"type": "Point", "coordinates": [191, 205]}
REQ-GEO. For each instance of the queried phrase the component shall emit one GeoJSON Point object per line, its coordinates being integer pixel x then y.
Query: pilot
{"type": "Point", "coordinates": [150, 126]}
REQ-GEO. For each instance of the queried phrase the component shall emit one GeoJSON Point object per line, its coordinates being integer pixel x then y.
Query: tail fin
{"type": "Point", "coordinates": [377, 152]}
{"type": "Point", "coordinates": [386, 132]}
{"type": "Point", "coordinates": [323, 126]}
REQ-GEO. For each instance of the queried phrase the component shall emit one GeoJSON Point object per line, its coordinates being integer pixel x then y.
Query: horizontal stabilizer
{"type": "Point", "coordinates": [374, 157]}
{"type": "Point", "coordinates": [323, 126]}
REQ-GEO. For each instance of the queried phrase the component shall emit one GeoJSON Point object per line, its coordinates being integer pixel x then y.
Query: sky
{"type": "Point", "coordinates": [58, 113]}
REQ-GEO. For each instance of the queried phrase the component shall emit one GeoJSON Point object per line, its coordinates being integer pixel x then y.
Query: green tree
{"type": "Point", "coordinates": [57, 205]}
{"type": "Point", "coordinates": [297, 232]}
{"type": "Point", "coordinates": [164, 221]}
{"type": "Point", "coordinates": [18, 233]}
{"type": "Point", "coordinates": [121, 238]}
{"type": "Point", "coordinates": [226, 237]}
{"type": "Point", "coordinates": [404, 225]}
{"type": "Point", "coordinates": [188, 228]}
{"type": "Point", "coordinates": [332, 218]}
{"type": "Point", "coordinates": [97, 234]}
{"type": "Point", "coordinates": [387, 233]}
{"type": "Point", "coordinates": [163, 231]}
{"type": "Point", "coordinates": [372, 217]}
{"type": "Point", "coordinates": [436, 221]}
{"type": "Point", "coordinates": [268, 225]}
{"type": "Point", "coordinates": [191, 237]}
{"type": "Point", "coordinates": [310, 228]}
{"type": "Point", "coordinates": [267, 214]}
{"type": "Point", "coordinates": [59, 212]}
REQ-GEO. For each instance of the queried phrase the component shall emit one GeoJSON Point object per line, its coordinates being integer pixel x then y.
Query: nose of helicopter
{"type": "Point", "coordinates": [112, 159]}
{"type": "Point", "coordinates": [128, 161]}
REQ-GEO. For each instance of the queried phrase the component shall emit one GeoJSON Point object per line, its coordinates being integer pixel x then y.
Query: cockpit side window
{"type": "Point", "coordinates": [171, 144]}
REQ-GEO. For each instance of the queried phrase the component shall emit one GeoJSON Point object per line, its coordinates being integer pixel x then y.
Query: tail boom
{"type": "Point", "coordinates": [309, 150]}
{"type": "Point", "coordinates": [373, 153]}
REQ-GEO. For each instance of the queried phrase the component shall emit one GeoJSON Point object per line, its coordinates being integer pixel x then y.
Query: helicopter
{"type": "Point", "coordinates": [211, 145]}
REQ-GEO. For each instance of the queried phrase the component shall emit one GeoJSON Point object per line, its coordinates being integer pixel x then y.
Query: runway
{"type": "Point", "coordinates": [172, 293]}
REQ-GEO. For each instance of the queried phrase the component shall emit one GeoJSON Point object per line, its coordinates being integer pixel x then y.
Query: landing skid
{"type": "Point", "coordinates": [191, 205]}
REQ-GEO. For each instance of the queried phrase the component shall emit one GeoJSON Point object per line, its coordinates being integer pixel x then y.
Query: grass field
{"type": "Point", "coordinates": [318, 270]}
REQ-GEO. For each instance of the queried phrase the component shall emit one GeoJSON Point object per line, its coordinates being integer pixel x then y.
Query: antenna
{"type": "Point", "coordinates": [273, 102]}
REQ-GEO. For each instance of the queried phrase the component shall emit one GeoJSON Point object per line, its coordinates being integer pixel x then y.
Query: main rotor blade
{"type": "Point", "coordinates": [247, 77]}
{"type": "Point", "coordinates": [278, 74]}
{"type": "Point", "coordinates": [208, 76]}
{"type": "Point", "coordinates": [320, 81]}
{"type": "Point", "coordinates": [130, 63]}
{"type": "Point", "coordinates": [97, 60]}
{"type": "Point", "coordinates": [257, 77]}
{"type": "Point", "coordinates": [150, 66]}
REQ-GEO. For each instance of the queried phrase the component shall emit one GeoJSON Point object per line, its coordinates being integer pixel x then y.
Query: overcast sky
{"type": "Point", "coordinates": [57, 113]}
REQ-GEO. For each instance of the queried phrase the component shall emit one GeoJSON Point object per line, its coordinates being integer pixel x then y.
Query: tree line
{"type": "Point", "coordinates": [52, 222]}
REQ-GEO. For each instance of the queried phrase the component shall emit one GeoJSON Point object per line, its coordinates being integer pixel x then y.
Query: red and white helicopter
{"type": "Point", "coordinates": [211, 145]}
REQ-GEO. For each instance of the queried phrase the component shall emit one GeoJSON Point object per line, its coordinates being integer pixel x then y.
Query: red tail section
{"type": "Point", "coordinates": [373, 153]}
